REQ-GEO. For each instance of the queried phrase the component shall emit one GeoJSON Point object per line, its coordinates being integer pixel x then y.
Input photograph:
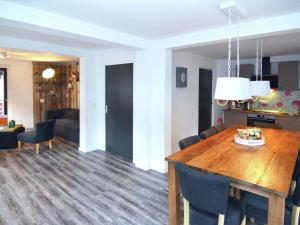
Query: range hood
{"type": "Point", "coordinates": [266, 72]}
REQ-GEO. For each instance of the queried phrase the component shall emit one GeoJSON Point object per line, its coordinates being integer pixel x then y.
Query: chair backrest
{"type": "Point", "coordinates": [206, 192]}
{"type": "Point", "coordinates": [219, 127]}
{"type": "Point", "coordinates": [296, 173]}
{"type": "Point", "coordinates": [44, 130]}
{"type": "Point", "coordinates": [188, 141]}
{"type": "Point", "coordinates": [208, 133]}
{"type": "Point", "coordinates": [267, 125]}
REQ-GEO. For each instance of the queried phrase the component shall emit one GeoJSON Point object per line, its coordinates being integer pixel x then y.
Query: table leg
{"type": "Point", "coordinates": [276, 210]}
{"type": "Point", "coordinates": [174, 196]}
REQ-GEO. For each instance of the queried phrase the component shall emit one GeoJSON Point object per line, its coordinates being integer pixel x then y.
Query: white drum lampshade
{"type": "Point", "coordinates": [48, 73]}
{"type": "Point", "coordinates": [232, 89]}
{"type": "Point", "coordinates": [260, 88]}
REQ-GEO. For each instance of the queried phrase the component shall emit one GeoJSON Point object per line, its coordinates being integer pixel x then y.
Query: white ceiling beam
{"type": "Point", "coordinates": [23, 17]}
{"type": "Point", "coordinates": [257, 28]}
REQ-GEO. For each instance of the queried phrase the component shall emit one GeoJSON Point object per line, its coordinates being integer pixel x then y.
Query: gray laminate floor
{"type": "Point", "coordinates": [65, 186]}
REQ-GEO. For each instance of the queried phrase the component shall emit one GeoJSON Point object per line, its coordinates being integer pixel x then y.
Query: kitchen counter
{"type": "Point", "coordinates": [273, 113]}
{"type": "Point", "coordinates": [240, 117]}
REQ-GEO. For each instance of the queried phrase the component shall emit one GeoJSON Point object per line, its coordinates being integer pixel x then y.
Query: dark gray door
{"type": "Point", "coordinates": [205, 99]}
{"type": "Point", "coordinates": [119, 109]}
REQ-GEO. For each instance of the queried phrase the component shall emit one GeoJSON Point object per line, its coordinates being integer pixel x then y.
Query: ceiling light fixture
{"type": "Point", "coordinates": [4, 55]}
{"type": "Point", "coordinates": [232, 88]}
{"type": "Point", "coordinates": [48, 73]}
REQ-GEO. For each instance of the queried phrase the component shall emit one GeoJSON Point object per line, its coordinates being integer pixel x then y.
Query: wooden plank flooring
{"type": "Point", "coordinates": [65, 186]}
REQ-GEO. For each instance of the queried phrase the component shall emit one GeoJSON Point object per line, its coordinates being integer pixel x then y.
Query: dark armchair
{"type": "Point", "coordinates": [43, 132]}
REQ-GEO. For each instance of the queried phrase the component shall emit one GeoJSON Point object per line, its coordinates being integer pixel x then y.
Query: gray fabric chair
{"type": "Point", "coordinates": [43, 132]}
{"type": "Point", "coordinates": [188, 141]}
{"type": "Point", "coordinates": [206, 200]}
{"type": "Point", "coordinates": [219, 127]}
{"type": "Point", "coordinates": [208, 133]}
{"type": "Point", "coordinates": [67, 123]}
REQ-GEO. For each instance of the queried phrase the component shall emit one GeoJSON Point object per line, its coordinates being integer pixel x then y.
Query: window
{"type": "Point", "coordinates": [3, 91]}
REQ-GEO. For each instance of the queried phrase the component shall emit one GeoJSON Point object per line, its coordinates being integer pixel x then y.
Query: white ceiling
{"type": "Point", "coordinates": [36, 56]}
{"type": "Point", "coordinates": [155, 19]}
{"type": "Point", "coordinates": [284, 44]}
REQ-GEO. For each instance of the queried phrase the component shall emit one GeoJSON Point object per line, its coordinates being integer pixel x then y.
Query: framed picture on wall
{"type": "Point", "coordinates": [181, 77]}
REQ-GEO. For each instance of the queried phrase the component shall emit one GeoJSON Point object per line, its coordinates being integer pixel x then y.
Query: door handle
{"type": "Point", "coordinates": [106, 109]}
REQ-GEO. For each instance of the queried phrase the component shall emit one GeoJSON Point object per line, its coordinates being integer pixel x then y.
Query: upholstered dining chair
{"type": "Point", "coordinates": [257, 207]}
{"type": "Point", "coordinates": [219, 127]}
{"type": "Point", "coordinates": [188, 141]}
{"type": "Point", "coordinates": [43, 132]}
{"type": "Point", "coordinates": [208, 133]}
{"type": "Point", "coordinates": [267, 125]}
{"type": "Point", "coordinates": [296, 175]}
{"type": "Point", "coordinates": [206, 200]}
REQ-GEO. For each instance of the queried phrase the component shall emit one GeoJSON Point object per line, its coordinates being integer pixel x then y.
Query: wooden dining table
{"type": "Point", "coordinates": [264, 170]}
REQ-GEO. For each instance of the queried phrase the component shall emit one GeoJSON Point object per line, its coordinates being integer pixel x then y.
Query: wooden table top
{"type": "Point", "coordinates": [6, 129]}
{"type": "Point", "coordinates": [268, 167]}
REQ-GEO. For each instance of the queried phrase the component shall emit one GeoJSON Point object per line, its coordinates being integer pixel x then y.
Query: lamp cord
{"type": "Point", "coordinates": [261, 56]}
{"type": "Point", "coordinates": [238, 48]}
{"type": "Point", "coordinates": [229, 47]}
{"type": "Point", "coordinates": [257, 61]}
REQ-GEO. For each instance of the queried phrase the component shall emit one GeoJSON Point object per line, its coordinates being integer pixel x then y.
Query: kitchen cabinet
{"type": "Point", "coordinates": [234, 117]}
{"type": "Point", "coordinates": [239, 117]}
{"type": "Point", "coordinates": [288, 75]}
{"type": "Point", "coordinates": [292, 124]}
{"type": "Point", "coordinates": [247, 70]}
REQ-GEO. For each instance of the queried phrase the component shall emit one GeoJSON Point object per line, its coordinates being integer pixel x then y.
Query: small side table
{"type": "Point", "coordinates": [8, 136]}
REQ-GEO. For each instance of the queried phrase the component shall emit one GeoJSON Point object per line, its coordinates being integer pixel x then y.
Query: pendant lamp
{"type": "Point", "coordinates": [259, 87]}
{"type": "Point", "coordinates": [232, 88]}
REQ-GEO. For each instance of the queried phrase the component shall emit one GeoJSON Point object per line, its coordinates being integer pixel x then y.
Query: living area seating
{"type": "Point", "coordinates": [67, 123]}
{"type": "Point", "coordinates": [43, 132]}
{"type": "Point", "coordinates": [8, 137]}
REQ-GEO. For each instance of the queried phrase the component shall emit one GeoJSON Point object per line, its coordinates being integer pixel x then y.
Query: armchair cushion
{"type": "Point", "coordinates": [43, 132]}
{"type": "Point", "coordinates": [29, 137]}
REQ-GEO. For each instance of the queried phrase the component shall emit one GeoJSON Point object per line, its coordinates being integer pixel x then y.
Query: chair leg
{"type": "Point", "coordinates": [50, 144]}
{"type": "Point", "coordinates": [295, 215]}
{"type": "Point", "coordinates": [37, 148]}
{"type": "Point", "coordinates": [244, 221]}
{"type": "Point", "coordinates": [186, 212]}
{"type": "Point", "coordinates": [19, 145]}
{"type": "Point", "coordinates": [293, 186]}
{"type": "Point", "coordinates": [237, 193]}
{"type": "Point", "coordinates": [221, 219]}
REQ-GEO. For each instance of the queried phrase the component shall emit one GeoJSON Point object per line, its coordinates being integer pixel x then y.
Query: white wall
{"type": "Point", "coordinates": [19, 91]}
{"type": "Point", "coordinates": [185, 100]}
{"type": "Point", "coordinates": [151, 103]}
